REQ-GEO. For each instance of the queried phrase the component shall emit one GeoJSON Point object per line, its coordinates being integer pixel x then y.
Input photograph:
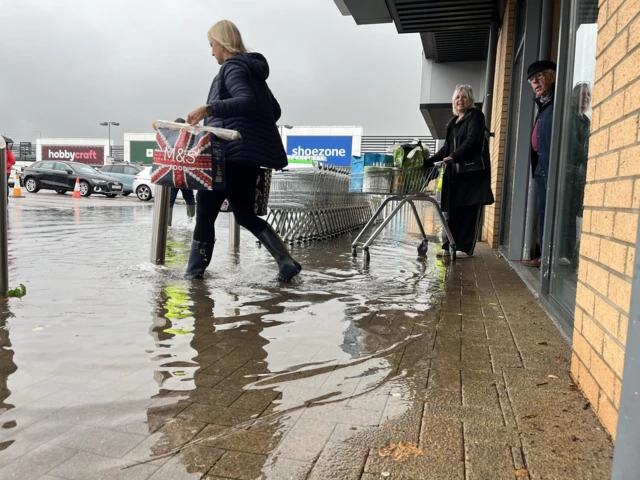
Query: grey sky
{"type": "Point", "coordinates": [75, 63]}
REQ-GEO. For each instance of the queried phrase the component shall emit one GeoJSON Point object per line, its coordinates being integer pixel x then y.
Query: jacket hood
{"type": "Point", "coordinates": [256, 63]}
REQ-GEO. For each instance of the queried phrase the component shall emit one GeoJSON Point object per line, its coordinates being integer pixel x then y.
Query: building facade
{"type": "Point", "coordinates": [586, 277]}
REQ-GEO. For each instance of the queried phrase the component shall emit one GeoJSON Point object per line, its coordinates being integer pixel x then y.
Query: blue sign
{"type": "Point", "coordinates": [337, 150]}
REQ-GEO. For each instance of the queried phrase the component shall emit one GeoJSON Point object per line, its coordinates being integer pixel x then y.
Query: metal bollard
{"type": "Point", "coordinates": [234, 233]}
{"type": "Point", "coordinates": [160, 224]}
{"type": "Point", "coordinates": [4, 245]}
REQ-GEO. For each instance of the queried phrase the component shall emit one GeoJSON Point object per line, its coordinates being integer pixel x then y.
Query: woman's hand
{"type": "Point", "coordinates": [448, 159]}
{"type": "Point", "coordinates": [197, 115]}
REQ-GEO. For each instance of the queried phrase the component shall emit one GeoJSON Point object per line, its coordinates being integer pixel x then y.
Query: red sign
{"type": "Point", "coordinates": [92, 155]}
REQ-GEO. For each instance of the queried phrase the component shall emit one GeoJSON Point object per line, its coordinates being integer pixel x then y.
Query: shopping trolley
{"type": "Point", "coordinates": [405, 186]}
{"type": "Point", "coordinates": [310, 204]}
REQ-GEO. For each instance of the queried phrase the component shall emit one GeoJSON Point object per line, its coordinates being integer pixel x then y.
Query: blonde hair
{"type": "Point", "coordinates": [469, 91]}
{"type": "Point", "coordinates": [228, 36]}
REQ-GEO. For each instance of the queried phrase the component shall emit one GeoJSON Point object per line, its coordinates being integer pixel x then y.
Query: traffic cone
{"type": "Point", "coordinates": [17, 191]}
{"type": "Point", "coordinates": [76, 189]}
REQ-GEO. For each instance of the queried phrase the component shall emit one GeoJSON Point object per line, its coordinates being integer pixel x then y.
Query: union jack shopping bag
{"type": "Point", "coordinates": [190, 157]}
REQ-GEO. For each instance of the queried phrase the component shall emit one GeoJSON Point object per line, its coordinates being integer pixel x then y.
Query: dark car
{"type": "Point", "coordinates": [61, 177]}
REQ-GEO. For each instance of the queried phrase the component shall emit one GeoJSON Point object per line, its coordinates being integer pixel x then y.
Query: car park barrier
{"type": "Point", "coordinates": [160, 224]}
{"type": "Point", "coordinates": [4, 245]}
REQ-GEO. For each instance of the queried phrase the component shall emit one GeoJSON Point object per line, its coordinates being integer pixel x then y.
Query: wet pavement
{"type": "Point", "coordinates": [112, 368]}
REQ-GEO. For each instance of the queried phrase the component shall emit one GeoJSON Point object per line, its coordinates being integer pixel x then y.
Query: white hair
{"type": "Point", "coordinates": [469, 91]}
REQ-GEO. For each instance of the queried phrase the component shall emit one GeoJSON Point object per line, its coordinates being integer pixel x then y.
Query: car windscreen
{"type": "Point", "coordinates": [83, 169]}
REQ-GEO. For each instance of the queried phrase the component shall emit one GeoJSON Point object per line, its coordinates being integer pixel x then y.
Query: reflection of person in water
{"type": "Point", "coordinates": [578, 137]}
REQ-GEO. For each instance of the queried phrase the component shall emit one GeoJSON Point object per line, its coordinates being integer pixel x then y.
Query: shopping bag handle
{"type": "Point", "coordinates": [221, 133]}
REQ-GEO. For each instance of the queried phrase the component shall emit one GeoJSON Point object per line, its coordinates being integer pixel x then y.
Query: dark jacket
{"type": "Point", "coordinates": [468, 136]}
{"type": "Point", "coordinates": [242, 101]}
{"type": "Point", "coordinates": [544, 118]}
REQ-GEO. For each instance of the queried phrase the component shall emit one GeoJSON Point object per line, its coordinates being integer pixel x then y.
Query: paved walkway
{"type": "Point", "coordinates": [480, 384]}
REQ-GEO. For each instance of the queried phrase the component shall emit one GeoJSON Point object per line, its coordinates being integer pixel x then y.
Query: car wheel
{"type": "Point", "coordinates": [111, 195]}
{"type": "Point", "coordinates": [85, 189]}
{"type": "Point", "coordinates": [61, 192]}
{"type": "Point", "coordinates": [31, 184]}
{"type": "Point", "coordinates": [126, 194]}
{"type": "Point", "coordinates": [144, 193]}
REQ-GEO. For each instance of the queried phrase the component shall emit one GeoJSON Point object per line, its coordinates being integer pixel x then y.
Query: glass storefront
{"type": "Point", "coordinates": [573, 152]}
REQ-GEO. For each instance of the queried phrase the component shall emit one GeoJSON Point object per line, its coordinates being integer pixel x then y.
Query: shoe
{"type": "Point", "coordinates": [535, 262]}
{"type": "Point", "coordinates": [443, 253]}
{"type": "Point", "coordinates": [289, 268]}
{"type": "Point", "coordinates": [199, 259]}
{"type": "Point", "coordinates": [191, 211]}
{"type": "Point", "coordinates": [564, 261]}
{"type": "Point", "coordinates": [460, 254]}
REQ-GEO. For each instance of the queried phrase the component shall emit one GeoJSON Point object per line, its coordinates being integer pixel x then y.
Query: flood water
{"type": "Point", "coordinates": [109, 361]}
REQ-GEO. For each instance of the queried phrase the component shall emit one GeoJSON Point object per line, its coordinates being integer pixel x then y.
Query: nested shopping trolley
{"type": "Point", "coordinates": [313, 204]}
{"type": "Point", "coordinates": [405, 186]}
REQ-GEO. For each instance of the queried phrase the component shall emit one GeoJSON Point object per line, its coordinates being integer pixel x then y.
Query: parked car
{"type": "Point", "coordinates": [123, 172]}
{"type": "Point", "coordinates": [61, 177]}
{"type": "Point", "coordinates": [142, 186]}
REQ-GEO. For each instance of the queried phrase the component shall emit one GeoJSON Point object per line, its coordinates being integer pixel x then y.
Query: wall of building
{"type": "Point", "coordinates": [612, 200]}
{"type": "Point", "coordinates": [491, 227]}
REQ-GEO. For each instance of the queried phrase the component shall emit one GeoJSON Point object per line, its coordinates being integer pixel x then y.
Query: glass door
{"type": "Point", "coordinates": [574, 151]}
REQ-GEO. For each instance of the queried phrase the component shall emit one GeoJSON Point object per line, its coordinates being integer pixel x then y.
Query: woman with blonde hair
{"type": "Point", "coordinates": [239, 99]}
{"type": "Point", "coordinates": [468, 191]}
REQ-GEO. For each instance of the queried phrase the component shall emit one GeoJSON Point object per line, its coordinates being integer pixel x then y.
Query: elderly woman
{"type": "Point", "coordinates": [468, 191]}
{"type": "Point", "coordinates": [239, 99]}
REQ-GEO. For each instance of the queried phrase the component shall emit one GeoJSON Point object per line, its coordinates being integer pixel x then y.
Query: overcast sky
{"type": "Point", "coordinates": [75, 63]}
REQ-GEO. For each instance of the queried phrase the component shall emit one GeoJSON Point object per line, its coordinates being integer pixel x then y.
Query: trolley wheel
{"type": "Point", "coordinates": [452, 252]}
{"type": "Point", "coordinates": [354, 251]}
{"type": "Point", "coordinates": [423, 247]}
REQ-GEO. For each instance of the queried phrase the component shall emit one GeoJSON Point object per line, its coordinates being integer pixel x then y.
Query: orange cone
{"type": "Point", "coordinates": [17, 192]}
{"type": "Point", "coordinates": [76, 189]}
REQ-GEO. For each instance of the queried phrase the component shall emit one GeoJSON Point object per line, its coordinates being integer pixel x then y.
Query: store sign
{"type": "Point", "coordinates": [337, 150]}
{"type": "Point", "coordinates": [81, 154]}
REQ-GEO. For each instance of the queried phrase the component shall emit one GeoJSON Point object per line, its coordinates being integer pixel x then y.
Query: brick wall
{"type": "Point", "coordinates": [612, 197]}
{"type": "Point", "coordinates": [490, 229]}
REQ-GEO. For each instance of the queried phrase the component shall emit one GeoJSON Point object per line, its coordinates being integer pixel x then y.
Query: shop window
{"type": "Point", "coordinates": [574, 151]}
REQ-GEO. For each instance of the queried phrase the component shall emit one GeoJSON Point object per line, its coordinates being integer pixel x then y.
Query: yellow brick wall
{"type": "Point", "coordinates": [490, 230]}
{"type": "Point", "coordinates": [612, 199]}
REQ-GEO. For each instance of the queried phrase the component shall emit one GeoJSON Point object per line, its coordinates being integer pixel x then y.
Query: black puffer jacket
{"type": "Point", "coordinates": [468, 137]}
{"type": "Point", "coordinates": [242, 101]}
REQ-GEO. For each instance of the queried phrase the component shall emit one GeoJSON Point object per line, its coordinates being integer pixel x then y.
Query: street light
{"type": "Point", "coordinates": [108, 124]}
{"type": "Point", "coordinates": [280, 127]}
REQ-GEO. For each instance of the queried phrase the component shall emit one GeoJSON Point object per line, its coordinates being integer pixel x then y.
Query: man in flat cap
{"type": "Point", "coordinates": [542, 77]}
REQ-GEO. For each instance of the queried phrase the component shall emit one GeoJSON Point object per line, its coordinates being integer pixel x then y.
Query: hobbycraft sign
{"type": "Point", "coordinates": [93, 155]}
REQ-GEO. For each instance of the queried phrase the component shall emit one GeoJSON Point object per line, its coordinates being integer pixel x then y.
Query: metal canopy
{"type": "Point", "coordinates": [451, 30]}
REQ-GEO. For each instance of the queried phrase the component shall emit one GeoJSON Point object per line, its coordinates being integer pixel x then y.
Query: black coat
{"type": "Point", "coordinates": [242, 101]}
{"type": "Point", "coordinates": [468, 136]}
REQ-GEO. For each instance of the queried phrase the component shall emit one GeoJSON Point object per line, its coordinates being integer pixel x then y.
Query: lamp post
{"type": "Point", "coordinates": [108, 124]}
{"type": "Point", "coordinates": [281, 127]}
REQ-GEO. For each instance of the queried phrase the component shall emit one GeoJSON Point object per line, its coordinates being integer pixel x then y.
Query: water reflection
{"type": "Point", "coordinates": [255, 377]}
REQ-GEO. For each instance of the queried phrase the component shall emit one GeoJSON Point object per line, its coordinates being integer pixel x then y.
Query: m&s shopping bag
{"type": "Point", "coordinates": [190, 157]}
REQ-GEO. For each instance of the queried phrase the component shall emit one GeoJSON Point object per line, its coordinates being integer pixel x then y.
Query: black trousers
{"type": "Point", "coordinates": [241, 191]}
{"type": "Point", "coordinates": [464, 223]}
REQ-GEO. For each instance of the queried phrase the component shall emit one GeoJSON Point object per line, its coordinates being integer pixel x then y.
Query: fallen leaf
{"type": "Point", "coordinates": [37, 329]}
{"type": "Point", "coordinates": [543, 343]}
{"type": "Point", "coordinates": [401, 451]}
{"type": "Point", "coordinates": [521, 473]}
{"type": "Point", "coordinates": [179, 374]}
{"type": "Point", "coordinates": [552, 376]}
{"type": "Point", "coordinates": [542, 383]}
{"type": "Point", "coordinates": [530, 415]}
{"type": "Point", "coordinates": [18, 292]}
{"type": "Point", "coordinates": [493, 304]}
